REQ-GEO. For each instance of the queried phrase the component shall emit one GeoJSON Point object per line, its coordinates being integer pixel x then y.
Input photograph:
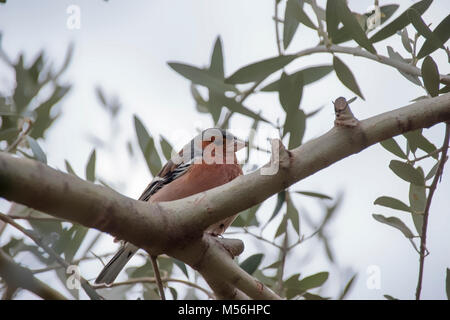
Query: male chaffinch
{"type": "Point", "coordinates": [206, 162]}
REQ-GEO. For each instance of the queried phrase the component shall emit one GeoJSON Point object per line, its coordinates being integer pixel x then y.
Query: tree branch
{"type": "Point", "coordinates": [176, 227]}
{"type": "Point", "coordinates": [153, 280]}
{"type": "Point", "coordinates": [402, 66]}
{"type": "Point", "coordinates": [426, 214]}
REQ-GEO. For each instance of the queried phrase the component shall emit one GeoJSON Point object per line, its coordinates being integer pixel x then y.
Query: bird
{"type": "Point", "coordinates": [207, 161]}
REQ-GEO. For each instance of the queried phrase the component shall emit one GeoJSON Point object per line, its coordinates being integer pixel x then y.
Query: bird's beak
{"type": "Point", "coordinates": [239, 144]}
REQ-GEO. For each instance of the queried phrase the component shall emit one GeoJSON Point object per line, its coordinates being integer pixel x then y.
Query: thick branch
{"type": "Point", "coordinates": [176, 227]}
{"type": "Point", "coordinates": [402, 66]}
{"type": "Point", "coordinates": [214, 256]}
{"type": "Point", "coordinates": [243, 192]}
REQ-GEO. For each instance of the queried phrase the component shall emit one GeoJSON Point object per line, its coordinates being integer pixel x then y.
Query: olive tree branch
{"type": "Point", "coordinates": [153, 280]}
{"type": "Point", "coordinates": [426, 214]}
{"type": "Point", "coordinates": [176, 227]}
{"type": "Point", "coordinates": [356, 51]}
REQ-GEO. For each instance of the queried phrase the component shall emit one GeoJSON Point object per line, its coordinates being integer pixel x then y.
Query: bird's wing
{"type": "Point", "coordinates": [168, 173]}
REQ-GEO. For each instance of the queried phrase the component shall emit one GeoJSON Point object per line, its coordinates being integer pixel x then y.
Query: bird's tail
{"type": "Point", "coordinates": [116, 264]}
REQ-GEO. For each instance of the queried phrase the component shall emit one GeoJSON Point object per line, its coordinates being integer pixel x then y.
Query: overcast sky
{"type": "Point", "coordinates": [124, 46]}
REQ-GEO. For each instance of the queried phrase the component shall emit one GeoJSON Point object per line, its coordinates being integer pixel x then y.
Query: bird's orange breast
{"type": "Point", "coordinates": [198, 178]}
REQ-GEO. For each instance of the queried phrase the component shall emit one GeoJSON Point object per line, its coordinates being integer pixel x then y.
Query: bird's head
{"type": "Point", "coordinates": [221, 137]}
{"type": "Point", "coordinates": [213, 145]}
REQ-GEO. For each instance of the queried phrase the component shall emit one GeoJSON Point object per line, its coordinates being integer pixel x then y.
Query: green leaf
{"type": "Point", "coordinates": [166, 148]}
{"type": "Point", "coordinates": [268, 281]}
{"type": "Point", "coordinates": [328, 249]}
{"type": "Point", "coordinates": [147, 146]}
{"type": "Point", "coordinates": [90, 167]}
{"type": "Point", "coordinates": [417, 202]}
{"type": "Point", "coordinates": [352, 26]}
{"type": "Point", "coordinates": [9, 133]}
{"type": "Point", "coordinates": [396, 223]}
{"type": "Point", "coordinates": [388, 297]}
{"type": "Point", "coordinates": [290, 91]}
{"type": "Point", "coordinates": [392, 203]}
{"type": "Point", "coordinates": [400, 22]}
{"type": "Point", "coordinates": [407, 172]}
{"type": "Point", "coordinates": [312, 296]}
{"type": "Point", "coordinates": [406, 41]}
{"type": "Point", "coordinates": [432, 172]}
{"type": "Point", "coordinates": [430, 75]}
{"type": "Point", "coordinates": [44, 119]}
{"type": "Point", "coordinates": [347, 287]}
{"type": "Point", "coordinates": [314, 194]}
{"type": "Point", "coordinates": [174, 293]}
{"type": "Point", "coordinates": [302, 17]}
{"type": "Point", "coordinates": [238, 107]}
{"type": "Point", "coordinates": [387, 11]}
{"type": "Point", "coordinates": [295, 124]}
{"type": "Point", "coordinates": [202, 77]}
{"type": "Point", "coordinates": [251, 264]}
{"type": "Point", "coordinates": [216, 66]}
{"type": "Point", "coordinates": [346, 76]}
{"type": "Point", "coordinates": [392, 146]}
{"type": "Point", "coordinates": [313, 281]}
{"type": "Point", "coordinates": [447, 283]}
{"type": "Point", "coordinates": [290, 21]}
{"type": "Point", "coordinates": [281, 227]}
{"type": "Point", "coordinates": [332, 19]}
{"type": "Point", "coordinates": [281, 197]}
{"type": "Point", "coordinates": [309, 76]}
{"type": "Point", "coordinates": [417, 140]}
{"type": "Point", "coordinates": [291, 286]}
{"type": "Point", "coordinates": [274, 265]}
{"type": "Point", "coordinates": [292, 214]}
{"type": "Point", "coordinates": [422, 28]}
{"type": "Point", "coordinates": [69, 168]}
{"type": "Point", "coordinates": [75, 236]}
{"type": "Point", "coordinates": [445, 89]}
{"type": "Point", "coordinates": [37, 151]}
{"type": "Point", "coordinates": [247, 218]}
{"type": "Point", "coordinates": [396, 56]}
{"type": "Point", "coordinates": [145, 270]}
{"type": "Point", "coordinates": [260, 70]}
{"type": "Point", "coordinates": [442, 32]}
{"type": "Point", "coordinates": [182, 266]}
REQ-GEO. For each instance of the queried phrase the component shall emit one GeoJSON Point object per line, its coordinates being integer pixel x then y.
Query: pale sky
{"type": "Point", "coordinates": [125, 46]}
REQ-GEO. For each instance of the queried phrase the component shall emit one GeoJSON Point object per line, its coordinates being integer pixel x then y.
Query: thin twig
{"type": "Point", "coordinates": [432, 153]}
{"type": "Point", "coordinates": [356, 51]}
{"type": "Point", "coordinates": [303, 239]}
{"type": "Point", "coordinates": [257, 237]}
{"type": "Point", "coordinates": [423, 238]}
{"type": "Point", "coordinates": [153, 280]}
{"type": "Point", "coordinates": [277, 31]}
{"type": "Point", "coordinates": [154, 262]}
{"type": "Point", "coordinates": [280, 271]}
